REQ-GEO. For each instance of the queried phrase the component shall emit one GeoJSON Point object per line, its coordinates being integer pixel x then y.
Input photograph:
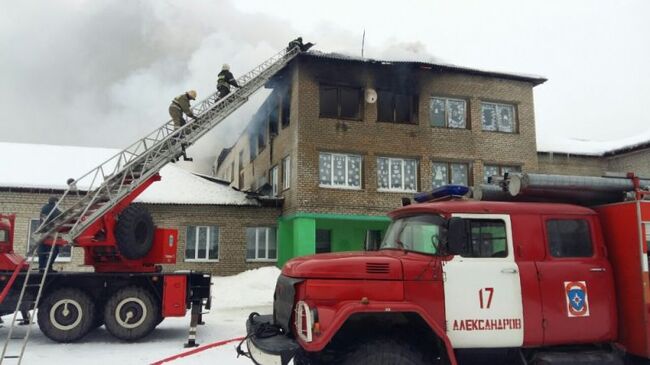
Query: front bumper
{"type": "Point", "coordinates": [275, 350]}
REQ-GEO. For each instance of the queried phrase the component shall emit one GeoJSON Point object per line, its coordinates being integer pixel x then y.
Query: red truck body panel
{"type": "Point", "coordinates": [174, 296]}
{"type": "Point", "coordinates": [625, 235]}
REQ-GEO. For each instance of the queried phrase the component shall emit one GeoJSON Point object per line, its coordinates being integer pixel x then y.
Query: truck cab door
{"type": "Point", "coordinates": [576, 283]}
{"type": "Point", "coordinates": [483, 305]}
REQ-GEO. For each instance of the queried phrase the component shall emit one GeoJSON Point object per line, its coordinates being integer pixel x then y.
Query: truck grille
{"type": "Point", "coordinates": [377, 268]}
{"type": "Point", "coordinates": [283, 301]}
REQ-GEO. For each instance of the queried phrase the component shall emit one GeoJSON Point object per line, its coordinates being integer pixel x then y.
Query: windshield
{"type": "Point", "coordinates": [425, 233]}
{"type": "Point", "coordinates": [4, 235]}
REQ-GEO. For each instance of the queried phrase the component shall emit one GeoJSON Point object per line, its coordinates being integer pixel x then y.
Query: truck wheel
{"type": "Point", "coordinates": [131, 313]}
{"type": "Point", "coordinates": [385, 352]}
{"type": "Point", "coordinates": [134, 232]}
{"type": "Point", "coordinates": [66, 315]}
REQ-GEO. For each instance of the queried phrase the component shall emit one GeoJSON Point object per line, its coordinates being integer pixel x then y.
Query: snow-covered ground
{"type": "Point", "coordinates": [233, 298]}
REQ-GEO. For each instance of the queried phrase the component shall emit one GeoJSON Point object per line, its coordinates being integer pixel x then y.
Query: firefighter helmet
{"type": "Point", "coordinates": [225, 67]}
{"type": "Point", "coordinates": [192, 94]}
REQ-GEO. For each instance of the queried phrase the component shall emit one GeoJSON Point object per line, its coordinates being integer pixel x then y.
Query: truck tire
{"type": "Point", "coordinates": [134, 232]}
{"type": "Point", "coordinates": [385, 352]}
{"type": "Point", "coordinates": [66, 315]}
{"type": "Point", "coordinates": [131, 313]}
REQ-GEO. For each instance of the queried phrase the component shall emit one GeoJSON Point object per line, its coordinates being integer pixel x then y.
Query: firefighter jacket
{"type": "Point", "coordinates": [182, 102]}
{"type": "Point", "coordinates": [226, 79]}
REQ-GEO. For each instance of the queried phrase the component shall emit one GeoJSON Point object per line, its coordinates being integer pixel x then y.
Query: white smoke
{"type": "Point", "coordinates": [102, 73]}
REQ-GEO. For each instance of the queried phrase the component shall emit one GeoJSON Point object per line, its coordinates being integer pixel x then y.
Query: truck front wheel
{"type": "Point", "coordinates": [386, 352]}
{"type": "Point", "coordinates": [131, 313]}
{"type": "Point", "coordinates": [66, 315]}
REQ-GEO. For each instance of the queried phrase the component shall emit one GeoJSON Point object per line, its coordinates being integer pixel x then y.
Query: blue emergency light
{"type": "Point", "coordinates": [441, 192]}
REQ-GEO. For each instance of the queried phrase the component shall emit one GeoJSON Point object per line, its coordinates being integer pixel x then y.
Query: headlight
{"type": "Point", "coordinates": [304, 321]}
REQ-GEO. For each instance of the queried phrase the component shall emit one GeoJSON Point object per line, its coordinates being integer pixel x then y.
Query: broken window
{"type": "Point", "coordinates": [396, 174]}
{"type": "Point", "coordinates": [498, 170]}
{"type": "Point", "coordinates": [286, 109]}
{"type": "Point", "coordinates": [261, 140]}
{"type": "Point", "coordinates": [396, 108]}
{"type": "Point", "coordinates": [444, 173]}
{"type": "Point", "coordinates": [340, 102]}
{"type": "Point", "coordinates": [241, 160]}
{"type": "Point", "coordinates": [448, 113]}
{"type": "Point", "coordinates": [274, 118]}
{"type": "Point", "coordinates": [252, 147]}
{"type": "Point", "coordinates": [339, 170]}
{"type": "Point", "coordinates": [498, 117]}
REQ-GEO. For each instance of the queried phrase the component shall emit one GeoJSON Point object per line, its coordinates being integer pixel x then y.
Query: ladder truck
{"type": "Point", "coordinates": [542, 269]}
{"type": "Point", "coordinates": [127, 292]}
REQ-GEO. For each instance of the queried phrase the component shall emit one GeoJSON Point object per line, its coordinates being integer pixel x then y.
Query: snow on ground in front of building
{"type": "Point", "coordinates": [233, 298]}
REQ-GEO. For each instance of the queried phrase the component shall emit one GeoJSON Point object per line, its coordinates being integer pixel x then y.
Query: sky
{"type": "Point", "coordinates": [102, 72]}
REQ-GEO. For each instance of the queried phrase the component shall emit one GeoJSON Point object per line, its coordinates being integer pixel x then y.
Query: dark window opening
{"type": "Point", "coordinates": [252, 147]}
{"type": "Point", "coordinates": [286, 109]}
{"type": "Point", "coordinates": [241, 160]}
{"type": "Point", "coordinates": [323, 240]}
{"type": "Point", "coordinates": [261, 141]}
{"type": "Point", "coordinates": [274, 118]}
{"type": "Point", "coordinates": [488, 239]}
{"type": "Point", "coordinates": [396, 108]}
{"type": "Point", "coordinates": [373, 240]}
{"type": "Point", "coordinates": [569, 238]}
{"type": "Point", "coordinates": [340, 102]}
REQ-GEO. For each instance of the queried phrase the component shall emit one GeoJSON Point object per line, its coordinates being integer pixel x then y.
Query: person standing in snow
{"type": "Point", "coordinates": [224, 81]}
{"type": "Point", "coordinates": [48, 213]}
{"type": "Point", "coordinates": [180, 105]}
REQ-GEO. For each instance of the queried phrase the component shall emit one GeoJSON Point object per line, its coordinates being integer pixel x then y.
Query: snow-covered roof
{"type": "Point", "coordinates": [534, 79]}
{"type": "Point", "coordinates": [37, 166]}
{"type": "Point", "coordinates": [585, 147]}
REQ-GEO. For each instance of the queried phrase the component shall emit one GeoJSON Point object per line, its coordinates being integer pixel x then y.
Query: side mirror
{"type": "Point", "coordinates": [457, 236]}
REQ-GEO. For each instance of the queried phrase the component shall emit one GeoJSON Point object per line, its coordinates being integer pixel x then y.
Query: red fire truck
{"type": "Point", "coordinates": [555, 283]}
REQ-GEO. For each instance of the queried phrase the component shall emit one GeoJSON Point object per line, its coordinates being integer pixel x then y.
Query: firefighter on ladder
{"type": "Point", "coordinates": [180, 105]}
{"type": "Point", "coordinates": [224, 81]}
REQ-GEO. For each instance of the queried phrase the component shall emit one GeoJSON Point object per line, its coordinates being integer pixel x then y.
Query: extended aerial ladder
{"type": "Point", "coordinates": [110, 185]}
{"type": "Point", "coordinates": [90, 207]}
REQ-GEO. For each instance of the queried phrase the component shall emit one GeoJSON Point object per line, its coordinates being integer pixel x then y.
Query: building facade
{"type": "Point", "coordinates": [342, 140]}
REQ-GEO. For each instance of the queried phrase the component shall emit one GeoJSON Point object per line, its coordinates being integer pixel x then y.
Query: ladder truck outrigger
{"type": "Point", "coordinates": [128, 291]}
{"type": "Point", "coordinates": [543, 269]}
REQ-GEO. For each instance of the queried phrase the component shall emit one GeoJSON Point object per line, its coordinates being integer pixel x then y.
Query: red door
{"type": "Point", "coordinates": [578, 299]}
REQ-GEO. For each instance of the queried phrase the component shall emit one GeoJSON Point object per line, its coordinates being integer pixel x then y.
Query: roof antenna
{"type": "Point", "coordinates": [363, 42]}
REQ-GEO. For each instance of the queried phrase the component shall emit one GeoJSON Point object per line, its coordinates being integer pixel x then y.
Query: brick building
{"type": "Point", "coordinates": [220, 229]}
{"type": "Point", "coordinates": [342, 140]}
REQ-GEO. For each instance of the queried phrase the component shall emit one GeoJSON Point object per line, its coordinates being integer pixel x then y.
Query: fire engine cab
{"type": "Point", "coordinates": [552, 282]}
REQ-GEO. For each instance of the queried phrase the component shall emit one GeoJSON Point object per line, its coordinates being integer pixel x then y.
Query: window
{"type": "Point", "coordinates": [323, 240]}
{"type": "Point", "coordinates": [396, 174]}
{"type": "Point", "coordinates": [65, 252]}
{"type": "Point", "coordinates": [449, 113]}
{"type": "Point", "coordinates": [373, 240]}
{"type": "Point", "coordinates": [261, 244]}
{"type": "Point", "coordinates": [569, 238]}
{"type": "Point", "coordinates": [4, 235]}
{"type": "Point", "coordinates": [232, 171]}
{"type": "Point", "coordinates": [396, 108]}
{"type": "Point", "coordinates": [286, 109]}
{"type": "Point", "coordinates": [488, 238]}
{"type": "Point", "coordinates": [340, 102]}
{"type": "Point", "coordinates": [444, 173]}
{"type": "Point", "coordinates": [273, 177]}
{"type": "Point", "coordinates": [202, 243]}
{"type": "Point", "coordinates": [241, 160]}
{"type": "Point", "coordinates": [252, 147]}
{"type": "Point", "coordinates": [286, 172]}
{"type": "Point", "coordinates": [274, 118]}
{"type": "Point", "coordinates": [498, 117]}
{"type": "Point", "coordinates": [340, 171]}
{"type": "Point", "coordinates": [261, 141]}
{"type": "Point", "coordinates": [498, 170]}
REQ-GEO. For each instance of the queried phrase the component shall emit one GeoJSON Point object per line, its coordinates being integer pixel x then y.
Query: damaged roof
{"type": "Point", "coordinates": [433, 64]}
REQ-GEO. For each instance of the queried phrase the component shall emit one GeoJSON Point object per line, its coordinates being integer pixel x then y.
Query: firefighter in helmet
{"type": "Point", "coordinates": [180, 105]}
{"type": "Point", "coordinates": [224, 81]}
{"type": "Point", "coordinates": [295, 43]}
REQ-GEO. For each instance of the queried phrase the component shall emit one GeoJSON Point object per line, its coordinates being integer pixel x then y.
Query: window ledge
{"type": "Point", "coordinates": [261, 260]}
{"type": "Point", "coordinates": [339, 187]}
{"type": "Point", "coordinates": [396, 191]}
{"type": "Point", "coordinates": [201, 260]}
